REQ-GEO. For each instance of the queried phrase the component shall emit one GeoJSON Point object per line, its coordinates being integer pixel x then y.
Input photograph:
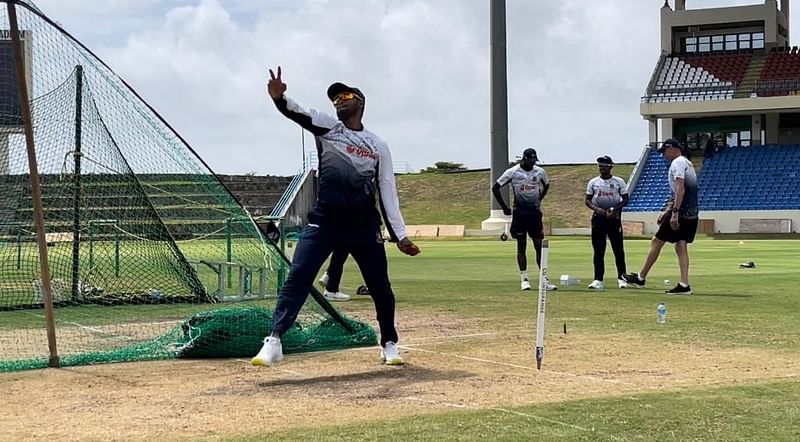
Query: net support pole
{"type": "Point", "coordinates": [229, 249]}
{"type": "Point", "coordinates": [116, 248]}
{"type": "Point", "coordinates": [19, 247]}
{"type": "Point", "coordinates": [541, 304]}
{"type": "Point", "coordinates": [91, 246]}
{"type": "Point", "coordinates": [76, 220]}
{"type": "Point", "coordinates": [38, 214]}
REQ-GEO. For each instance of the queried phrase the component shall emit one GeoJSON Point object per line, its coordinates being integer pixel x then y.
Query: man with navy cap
{"type": "Point", "coordinates": [355, 173]}
{"type": "Point", "coordinates": [606, 195]}
{"type": "Point", "coordinates": [530, 185]}
{"type": "Point", "coordinates": [678, 224]}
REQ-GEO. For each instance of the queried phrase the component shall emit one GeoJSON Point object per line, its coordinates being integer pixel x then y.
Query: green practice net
{"type": "Point", "coordinates": [144, 240]}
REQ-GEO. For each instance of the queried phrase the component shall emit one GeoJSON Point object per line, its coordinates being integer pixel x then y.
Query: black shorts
{"type": "Point", "coordinates": [686, 230]}
{"type": "Point", "coordinates": [527, 223]}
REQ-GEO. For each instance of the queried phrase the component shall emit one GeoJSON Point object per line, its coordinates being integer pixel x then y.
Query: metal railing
{"type": "Point", "coordinates": [279, 211]}
{"type": "Point", "coordinates": [654, 77]}
{"type": "Point", "coordinates": [691, 93]}
{"type": "Point", "coordinates": [783, 86]}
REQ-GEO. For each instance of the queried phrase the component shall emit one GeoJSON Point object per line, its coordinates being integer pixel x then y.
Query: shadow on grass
{"type": "Point", "coordinates": [407, 374]}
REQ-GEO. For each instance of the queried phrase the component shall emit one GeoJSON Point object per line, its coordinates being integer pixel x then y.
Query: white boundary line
{"type": "Point", "coordinates": [453, 337]}
{"type": "Point", "coordinates": [506, 364]}
{"type": "Point", "coordinates": [446, 339]}
{"type": "Point", "coordinates": [516, 413]}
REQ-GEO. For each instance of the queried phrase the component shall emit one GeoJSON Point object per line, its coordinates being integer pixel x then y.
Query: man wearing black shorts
{"type": "Point", "coordinates": [530, 184]}
{"type": "Point", "coordinates": [678, 224]}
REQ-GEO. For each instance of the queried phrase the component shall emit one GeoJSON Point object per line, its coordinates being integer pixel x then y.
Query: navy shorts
{"type": "Point", "coordinates": [527, 224]}
{"type": "Point", "coordinates": [686, 230]}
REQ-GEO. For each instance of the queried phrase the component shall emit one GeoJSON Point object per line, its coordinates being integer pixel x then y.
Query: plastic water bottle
{"type": "Point", "coordinates": [661, 313]}
{"type": "Point", "coordinates": [568, 280]}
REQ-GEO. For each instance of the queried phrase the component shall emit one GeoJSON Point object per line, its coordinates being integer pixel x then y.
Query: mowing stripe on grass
{"type": "Point", "coordinates": [516, 413]}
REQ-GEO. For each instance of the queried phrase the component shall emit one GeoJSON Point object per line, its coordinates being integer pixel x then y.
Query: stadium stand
{"type": "Point", "coordinates": [781, 73]}
{"type": "Point", "coordinates": [751, 178]}
{"type": "Point", "coordinates": [737, 178]}
{"type": "Point", "coordinates": [698, 77]}
{"type": "Point", "coordinates": [185, 204]}
{"type": "Point", "coordinates": [727, 85]}
{"type": "Point", "coordinates": [651, 190]}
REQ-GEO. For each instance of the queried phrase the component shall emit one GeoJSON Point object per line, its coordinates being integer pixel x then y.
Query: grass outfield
{"type": "Point", "coordinates": [754, 309]}
{"type": "Point", "coordinates": [725, 366]}
{"type": "Point", "coordinates": [764, 412]}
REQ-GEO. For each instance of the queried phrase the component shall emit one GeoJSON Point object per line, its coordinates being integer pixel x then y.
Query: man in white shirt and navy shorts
{"type": "Point", "coordinates": [678, 224]}
{"type": "Point", "coordinates": [606, 195]}
{"type": "Point", "coordinates": [530, 185]}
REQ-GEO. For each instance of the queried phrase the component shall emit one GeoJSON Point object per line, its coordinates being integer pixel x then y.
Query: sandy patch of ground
{"type": "Point", "coordinates": [452, 363]}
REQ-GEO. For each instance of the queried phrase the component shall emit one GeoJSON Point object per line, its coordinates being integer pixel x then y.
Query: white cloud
{"type": "Point", "coordinates": [577, 70]}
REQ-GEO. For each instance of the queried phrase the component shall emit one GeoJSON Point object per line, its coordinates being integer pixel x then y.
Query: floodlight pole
{"type": "Point", "coordinates": [499, 110]}
{"type": "Point", "coordinates": [38, 214]}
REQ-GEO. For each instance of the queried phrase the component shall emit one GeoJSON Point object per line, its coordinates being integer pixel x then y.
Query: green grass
{"type": "Point", "coordinates": [463, 198]}
{"type": "Point", "coordinates": [142, 266]}
{"type": "Point", "coordinates": [769, 412]}
{"type": "Point", "coordinates": [732, 308]}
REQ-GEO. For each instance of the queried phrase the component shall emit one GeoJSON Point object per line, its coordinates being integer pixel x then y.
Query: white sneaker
{"type": "Point", "coordinates": [526, 285]}
{"type": "Point", "coordinates": [336, 296]}
{"type": "Point", "coordinates": [271, 351]}
{"type": "Point", "coordinates": [596, 285]}
{"type": "Point", "coordinates": [622, 284]}
{"type": "Point", "coordinates": [549, 286]}
{"type": "Point", "coordinates": [390, 354]}
{"type": "Point", "coordinates": [323, 281]}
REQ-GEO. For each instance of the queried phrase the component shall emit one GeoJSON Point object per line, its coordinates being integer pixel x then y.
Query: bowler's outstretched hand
{"type": "Point", "coordinates": [275, 87]}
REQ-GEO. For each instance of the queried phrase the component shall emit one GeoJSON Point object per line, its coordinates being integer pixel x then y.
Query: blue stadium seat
{"type": "Point", "coordinates": [767, 174]}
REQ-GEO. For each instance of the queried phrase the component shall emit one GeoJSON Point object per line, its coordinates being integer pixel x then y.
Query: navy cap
{"type": "Point", "coordinates": [605, 160]}
{"type": "Point", "coordinates": [337, 88]}
{"type": "Point", "coordinates": [530, 155]}
{"type": "Point", "coordinates": [672, 142]}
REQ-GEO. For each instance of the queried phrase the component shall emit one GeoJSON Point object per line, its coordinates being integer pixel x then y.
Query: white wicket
{"type": "Point", "coordinates": [542, 302]}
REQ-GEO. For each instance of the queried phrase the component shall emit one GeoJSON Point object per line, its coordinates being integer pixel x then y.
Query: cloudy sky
{"type": "Point", "coordinates": [423, 64]}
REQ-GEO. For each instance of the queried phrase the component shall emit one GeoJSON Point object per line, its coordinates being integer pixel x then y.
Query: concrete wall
{"type": "Point", "coordinates": [738, 106]}
{"type": "Point", "coordinates": [724, 221]}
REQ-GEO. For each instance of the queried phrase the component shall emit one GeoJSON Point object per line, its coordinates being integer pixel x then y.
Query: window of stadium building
{"type": "Point", "coordinates": [726, 42]}
{"type": "Point", "coordinates": [737, 139]}
{"type": "Point", "coordinates": [716, 140]}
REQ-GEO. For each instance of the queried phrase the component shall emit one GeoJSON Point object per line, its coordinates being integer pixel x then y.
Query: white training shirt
{"type": "Point", "coordinates": [681, 167]}
{"type": "Point", "coordinates": [606, 193]}
{"type": "Point", "coordinates": [355, 167]}
{"type": "Point", "coordinates": [527, 185]}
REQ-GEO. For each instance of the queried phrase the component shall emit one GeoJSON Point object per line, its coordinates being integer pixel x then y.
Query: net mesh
{"type": "Point", "coordinates": [143, 240]}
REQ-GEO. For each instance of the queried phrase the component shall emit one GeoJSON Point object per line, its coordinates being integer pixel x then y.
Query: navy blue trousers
{"type": "Point", "coordinates": [316, 243]}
